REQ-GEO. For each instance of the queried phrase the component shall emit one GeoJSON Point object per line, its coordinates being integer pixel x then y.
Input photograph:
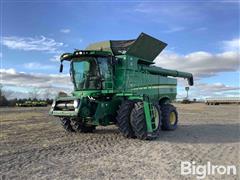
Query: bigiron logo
{"type": "Point", "coordinates": [201, 171]}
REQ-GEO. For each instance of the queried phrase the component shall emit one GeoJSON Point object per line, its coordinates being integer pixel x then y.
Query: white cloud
{"type": "Point", "coordinates": [53, 82]}
{"type": "Point", "coordinates": [10, 71]}
{"type": "Point", "coordinates": [41, 43]}
{"type": "Point", "coordinates": [65, 31]}
{"type": "Point", "coordinates": [36, 65]}
{"type": "Point", "coordinates": [205, 90]}
{"type": "Point", "coordinates": [215, 87]}
{"type": "Point", "coordinates": [174, 29]}
{"type": "Point", "coordinates": [12, 77]}
{"type": "Point", "coordinates": [232, 45]}
{"type": "Point", "coordinates": [201, 64]}
{"type": "Point", "coordinates": [55, 58]}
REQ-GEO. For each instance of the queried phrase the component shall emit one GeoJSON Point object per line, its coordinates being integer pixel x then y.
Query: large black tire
{"type": "Point", "coordinates": [139, 125]}
{"type": "Point", "coordinates": [80, 127]}
{"type": "Point", "coordinates": [123, 119]}
{"type": "Point", "coordinates": [168, 124]}
{"type": "Point", "coordinates": [66, 123]}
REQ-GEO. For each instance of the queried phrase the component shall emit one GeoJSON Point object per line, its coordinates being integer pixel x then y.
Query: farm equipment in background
{"type": "Point", "coordinates": [186, 101]}
{"type": "Point", "coordinates": [222, 100]}
{"type": "Point", "coordinates": [32, 104]}
{"type": "Point", "coordinates": [116, 82]}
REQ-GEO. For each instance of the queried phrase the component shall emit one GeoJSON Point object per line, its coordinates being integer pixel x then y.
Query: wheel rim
{"type": "Point", "coordinates": [156, 118]}
{"type": "Point", "coordinates": [172, 118]}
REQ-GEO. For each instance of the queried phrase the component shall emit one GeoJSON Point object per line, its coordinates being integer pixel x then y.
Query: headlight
{"type": "Point", "coordinates": [75, 103]}
{"type": "Point", "coordinates": [53, 104]}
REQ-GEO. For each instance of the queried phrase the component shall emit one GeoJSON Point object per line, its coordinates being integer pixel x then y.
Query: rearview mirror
{"type": "Point", "coordinates": [61, 68]}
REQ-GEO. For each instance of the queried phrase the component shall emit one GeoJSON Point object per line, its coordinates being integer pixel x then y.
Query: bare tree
{"type": "Point", "coordinates": [3, 100]}
{"type": "Point", "coordinates": [47, 93]}
{"type": "Point", "coordinates": [1, 87]}
{"type": "Point", "coordinates": [7, 94]}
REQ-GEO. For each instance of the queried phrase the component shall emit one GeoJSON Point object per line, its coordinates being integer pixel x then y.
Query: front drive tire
{"type": "Point", "coordinates": [66, 123]}
{"type": "Point", "coordinates": [80, 127]}
{"type": "Point", "coordinates": [123, 119]}
{"type": "Point", "coordinates": [139, 125]}
{"type": "Point", "coordinates": [169, 117]}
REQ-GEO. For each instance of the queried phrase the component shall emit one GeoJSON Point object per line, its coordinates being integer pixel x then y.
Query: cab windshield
{"type": "Point", "coordinates": [89, 72]}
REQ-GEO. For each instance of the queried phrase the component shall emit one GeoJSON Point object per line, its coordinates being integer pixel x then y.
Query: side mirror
{"type": "Point", "coordinates": [61, 68]}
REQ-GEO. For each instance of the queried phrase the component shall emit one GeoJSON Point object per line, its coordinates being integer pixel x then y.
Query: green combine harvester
{"type": "Point", "coordinates": [116, 82]}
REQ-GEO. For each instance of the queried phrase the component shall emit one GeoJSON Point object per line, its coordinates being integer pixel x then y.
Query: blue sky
{"type": "Point", "coordinates": [202, 37]}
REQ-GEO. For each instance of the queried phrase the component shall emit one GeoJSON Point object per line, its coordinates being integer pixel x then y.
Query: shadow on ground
{"type": "Point", "coordinates": [203, 133]}
{"type": "Point", "coordinates": [197, 133]}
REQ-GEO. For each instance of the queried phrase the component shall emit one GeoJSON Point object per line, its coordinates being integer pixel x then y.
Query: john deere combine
{"type": "Point", "coordinates": [116, 82]}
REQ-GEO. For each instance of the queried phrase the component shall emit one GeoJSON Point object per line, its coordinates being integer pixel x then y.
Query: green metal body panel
{"type": "Point", "coordinates": [105, 111]}
{"type": "Point", "coordinates": [148, 117]}
{"type": "Point", "coordinates": [132, 76]}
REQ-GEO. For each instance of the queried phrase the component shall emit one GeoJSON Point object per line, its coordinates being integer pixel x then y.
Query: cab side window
{"type": "Point", "coordinates": [104, 67]}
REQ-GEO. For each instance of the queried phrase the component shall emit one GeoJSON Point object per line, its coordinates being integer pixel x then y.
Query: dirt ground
{"type": "Point", "coordinates": [34, 146]}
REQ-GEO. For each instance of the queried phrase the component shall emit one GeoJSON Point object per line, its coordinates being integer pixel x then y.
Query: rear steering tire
{"type": "Point", "coordinates": [169, 117]}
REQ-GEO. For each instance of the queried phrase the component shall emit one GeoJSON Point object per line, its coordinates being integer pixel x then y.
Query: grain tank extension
{"type": "Point", "coordinates": [116, 82]}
